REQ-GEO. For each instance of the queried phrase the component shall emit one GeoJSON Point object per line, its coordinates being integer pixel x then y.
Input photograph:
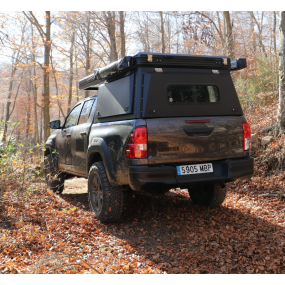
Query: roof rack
{"type": "Point", "coordinates": [149, 59]}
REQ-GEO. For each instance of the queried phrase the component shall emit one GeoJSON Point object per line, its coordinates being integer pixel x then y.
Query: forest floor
{"type": "Point", "coordinates": [48, 233]}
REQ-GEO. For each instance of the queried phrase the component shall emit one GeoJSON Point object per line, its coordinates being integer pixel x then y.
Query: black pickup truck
{"type": "Point", "coordinates": [159, 121]}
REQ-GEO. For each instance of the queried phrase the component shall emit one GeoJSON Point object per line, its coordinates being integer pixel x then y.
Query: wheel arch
{"type": "Point", "coordinates": [101, 152]}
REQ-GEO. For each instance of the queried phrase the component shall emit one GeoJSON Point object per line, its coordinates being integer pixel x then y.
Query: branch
{"type": "Point", "coordinates": [214, 24]}
{"type": "Point", "coordinates": [16, 96]}
{"type": "Point", "coordinates": [280, 195]}
{"type": "Point", "coordinates": [59, 106]}
{"type": "Point", "coordinates": [35, 22]}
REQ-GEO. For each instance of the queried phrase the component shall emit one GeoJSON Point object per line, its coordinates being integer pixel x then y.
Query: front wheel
{"type": "Point", "coordinates": [212, 195]}
{"type": "Point", "coordinates": [105, 201]}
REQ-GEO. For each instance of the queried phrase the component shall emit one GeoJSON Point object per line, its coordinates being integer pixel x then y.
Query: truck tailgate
{"type": "Point", "coordinates": [183, 139]}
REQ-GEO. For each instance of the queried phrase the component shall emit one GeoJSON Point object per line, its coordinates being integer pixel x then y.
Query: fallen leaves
{"type": "Point", "coordinates": [57, 234]}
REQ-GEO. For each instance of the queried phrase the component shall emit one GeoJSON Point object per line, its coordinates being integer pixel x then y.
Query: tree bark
{"type": "Point", "coordinates": [46, 77]}
{"type": "Point", "coordinates": [88, 40]}
{"type": "Point", "coordinates": [230, 38]}
{"type": "Point", "coordinates": [70, 72]}
{"type": "Point", "coordinates": [162, 32]}
{"type": "Point", "coordinates": [46, 68]}
{"type": "Point", "coordinates": [76, 73]}
{"type": "Point", "coordinates": [28, 115]}
{"type": "Point", "coordinates": [274, 33]}
{"type": "Point", "coordinates": [7, 115]}
{"type": "Point", "coordinates": [281, 107]}
{"type": "Point", "coordinates": [110, 19]}
{"type": "Point", "coordinates": [259, 33]}
{"type": "Point", "coordinates": [221, 34]}
{"type": "Point", "coordinates": [2, 113]}
{"type": "Point", "coordinates": [34, 88]}
{"type": "Point", "coordinates": [122, 31]}
{"type": "Point", "coordinates": [252, 35]}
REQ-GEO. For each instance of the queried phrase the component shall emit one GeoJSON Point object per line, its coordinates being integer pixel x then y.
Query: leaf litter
{"type": "Point", "coordinates": [157, 234]}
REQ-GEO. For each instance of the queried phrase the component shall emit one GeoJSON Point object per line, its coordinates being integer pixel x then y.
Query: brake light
{"type": "Point", "coordinates": [197, 121]}
{"type": "Point", "coordinates": [246, 136]}
{"type": "Point", "coordinates": [137, 143]}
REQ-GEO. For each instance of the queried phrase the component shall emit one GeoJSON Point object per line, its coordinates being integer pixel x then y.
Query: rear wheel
{"type": "Point", "coordinates": [54, 179]}
{"type": "Point", "coordinates": [212, 195]}
{"type": "Point", "coordinates": [105, 201]}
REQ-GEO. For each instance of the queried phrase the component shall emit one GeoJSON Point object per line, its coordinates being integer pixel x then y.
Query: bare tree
{"type": "Point", "coordinates": [274, 33]}
{"type": "Point", "coordinates": [162, 32]}
{"type": "Point", "coordinates": [16, 58]}
{"type": "Point", "coordinates": [45, 36]}
{"type": "Point", "coordinates": [70, 71]}
{"type": "Point", "coordinates": [230, 38]}
{"type": "Point", "coordinates": [110, 20]}
{"type": "Point", "coordinates": [33, 76]}
{"type": "Point", "coordinates": [259, 26]}
{"type": "Point", "coordinates": [281, 109]}
{"type": "Point", "coordinates": [122, 32]}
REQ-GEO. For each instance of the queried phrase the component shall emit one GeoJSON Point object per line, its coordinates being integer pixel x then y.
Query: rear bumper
{"type": "Point", "coordinates": [144, 177]}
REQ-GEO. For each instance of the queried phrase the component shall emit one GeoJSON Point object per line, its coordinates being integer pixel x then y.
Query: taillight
{"type": "Point", "coordinates": [137, 143]}
{"type": "Point", "coordinates": [246, 136]}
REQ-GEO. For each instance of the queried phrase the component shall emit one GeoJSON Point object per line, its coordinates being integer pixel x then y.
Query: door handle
{"type": "Point", "coordinates": [68, 135]}
{"type": "Point", "coordinates": [198, 131]}
{"type": "Point", "coordinates": [83, 134]}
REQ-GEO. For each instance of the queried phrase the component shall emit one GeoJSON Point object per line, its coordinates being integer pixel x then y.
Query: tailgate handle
{"type": "Point", "coordinates": [198, 131]}
{"type": "Point", "coordinates": [68, 135]}
{"type": "Point", "coordinates": [83, 134]}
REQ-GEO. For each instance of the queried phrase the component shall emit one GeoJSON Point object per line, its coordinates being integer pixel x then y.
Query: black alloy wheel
{"type": "Point", "coordinates": [105, 201]}
{"type": "Point", "coordinates": [96, 194]}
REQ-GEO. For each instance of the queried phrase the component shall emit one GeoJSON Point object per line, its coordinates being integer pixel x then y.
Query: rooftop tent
{"type": "Point", "coordinates": [149, 59]}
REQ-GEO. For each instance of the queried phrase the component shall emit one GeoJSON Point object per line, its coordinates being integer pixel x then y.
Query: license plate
{"type": "Point", "coordinates": [194, 169]}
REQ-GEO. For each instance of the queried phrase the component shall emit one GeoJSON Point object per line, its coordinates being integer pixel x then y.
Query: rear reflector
{"type": "Point", "coordinates": [137, 143]}
{"type": "Point", "coordinates": [246, 136]}
{"type": "Point", "coordinates": [197, 121]}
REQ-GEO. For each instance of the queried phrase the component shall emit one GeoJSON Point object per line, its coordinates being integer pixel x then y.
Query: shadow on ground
{"type": "Point", "coordinates": [180, 237]}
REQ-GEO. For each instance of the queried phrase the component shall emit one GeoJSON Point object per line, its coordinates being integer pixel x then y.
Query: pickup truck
{"type": "Point", "coordinates": [159, 121]}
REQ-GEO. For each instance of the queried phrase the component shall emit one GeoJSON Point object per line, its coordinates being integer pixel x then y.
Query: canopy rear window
{"type": "Point", "coordinates": [185, 94]}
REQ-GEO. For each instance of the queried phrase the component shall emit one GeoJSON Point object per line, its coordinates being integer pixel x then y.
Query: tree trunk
{"type": "Point", "coordinates": [41, 125]}
{"type": "Point", "coordinates": [2, 113]}
{"type": "Point", "coordinates": [122, 31]}
{"type": "Point", "coordinates": [46, 78]}
{"type": "Point", "coordinates": [76, 72]}
{"type": "Point", "coordinates": [281, 109]}
{"type": "Point", "coordinates": [28, 116]}
{"type": "Point", "coordinates": [221, 34]}
{"type": "Point", "coordinates": [112, 35]}
{"type": "Point", "coordinates": [35, 91]}
{"type": "Point", "coordinates": [71, 72]}
{"type": "Point", "coordinates": [230, 38]}
{"type": "Point", "coordinates": [162, 32]}
{"type": "Point", "coordinates": [7, 115]}
{"type": "Point", "coordinates": [147, 33]}
{"type": "Point", "coordinates": [259, 26]}
{"type": "Point", "coordinates": [88, 38]}
{"type": "Point", "coordinates": [252, 35]}
{"type": "Point", "coordinates": [274, 33]}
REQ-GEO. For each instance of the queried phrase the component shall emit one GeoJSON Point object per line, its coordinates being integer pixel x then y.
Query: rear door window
{"type": "Point", "coordinates": [85, 113]}
{"type": "Point", "coordinates": [185, 94]}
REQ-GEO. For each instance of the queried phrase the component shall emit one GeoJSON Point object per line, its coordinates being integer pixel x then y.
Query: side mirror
{"type": "Point", "coordinates": [54, 124]}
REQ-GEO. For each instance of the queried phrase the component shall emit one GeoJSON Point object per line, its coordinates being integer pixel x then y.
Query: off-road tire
{"type": "Point", "coordinates": [112, 196]}
{"type": "Point", "coordinates": [212, 195]}
{"type": "Point", "coordinates": [54, 179]}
